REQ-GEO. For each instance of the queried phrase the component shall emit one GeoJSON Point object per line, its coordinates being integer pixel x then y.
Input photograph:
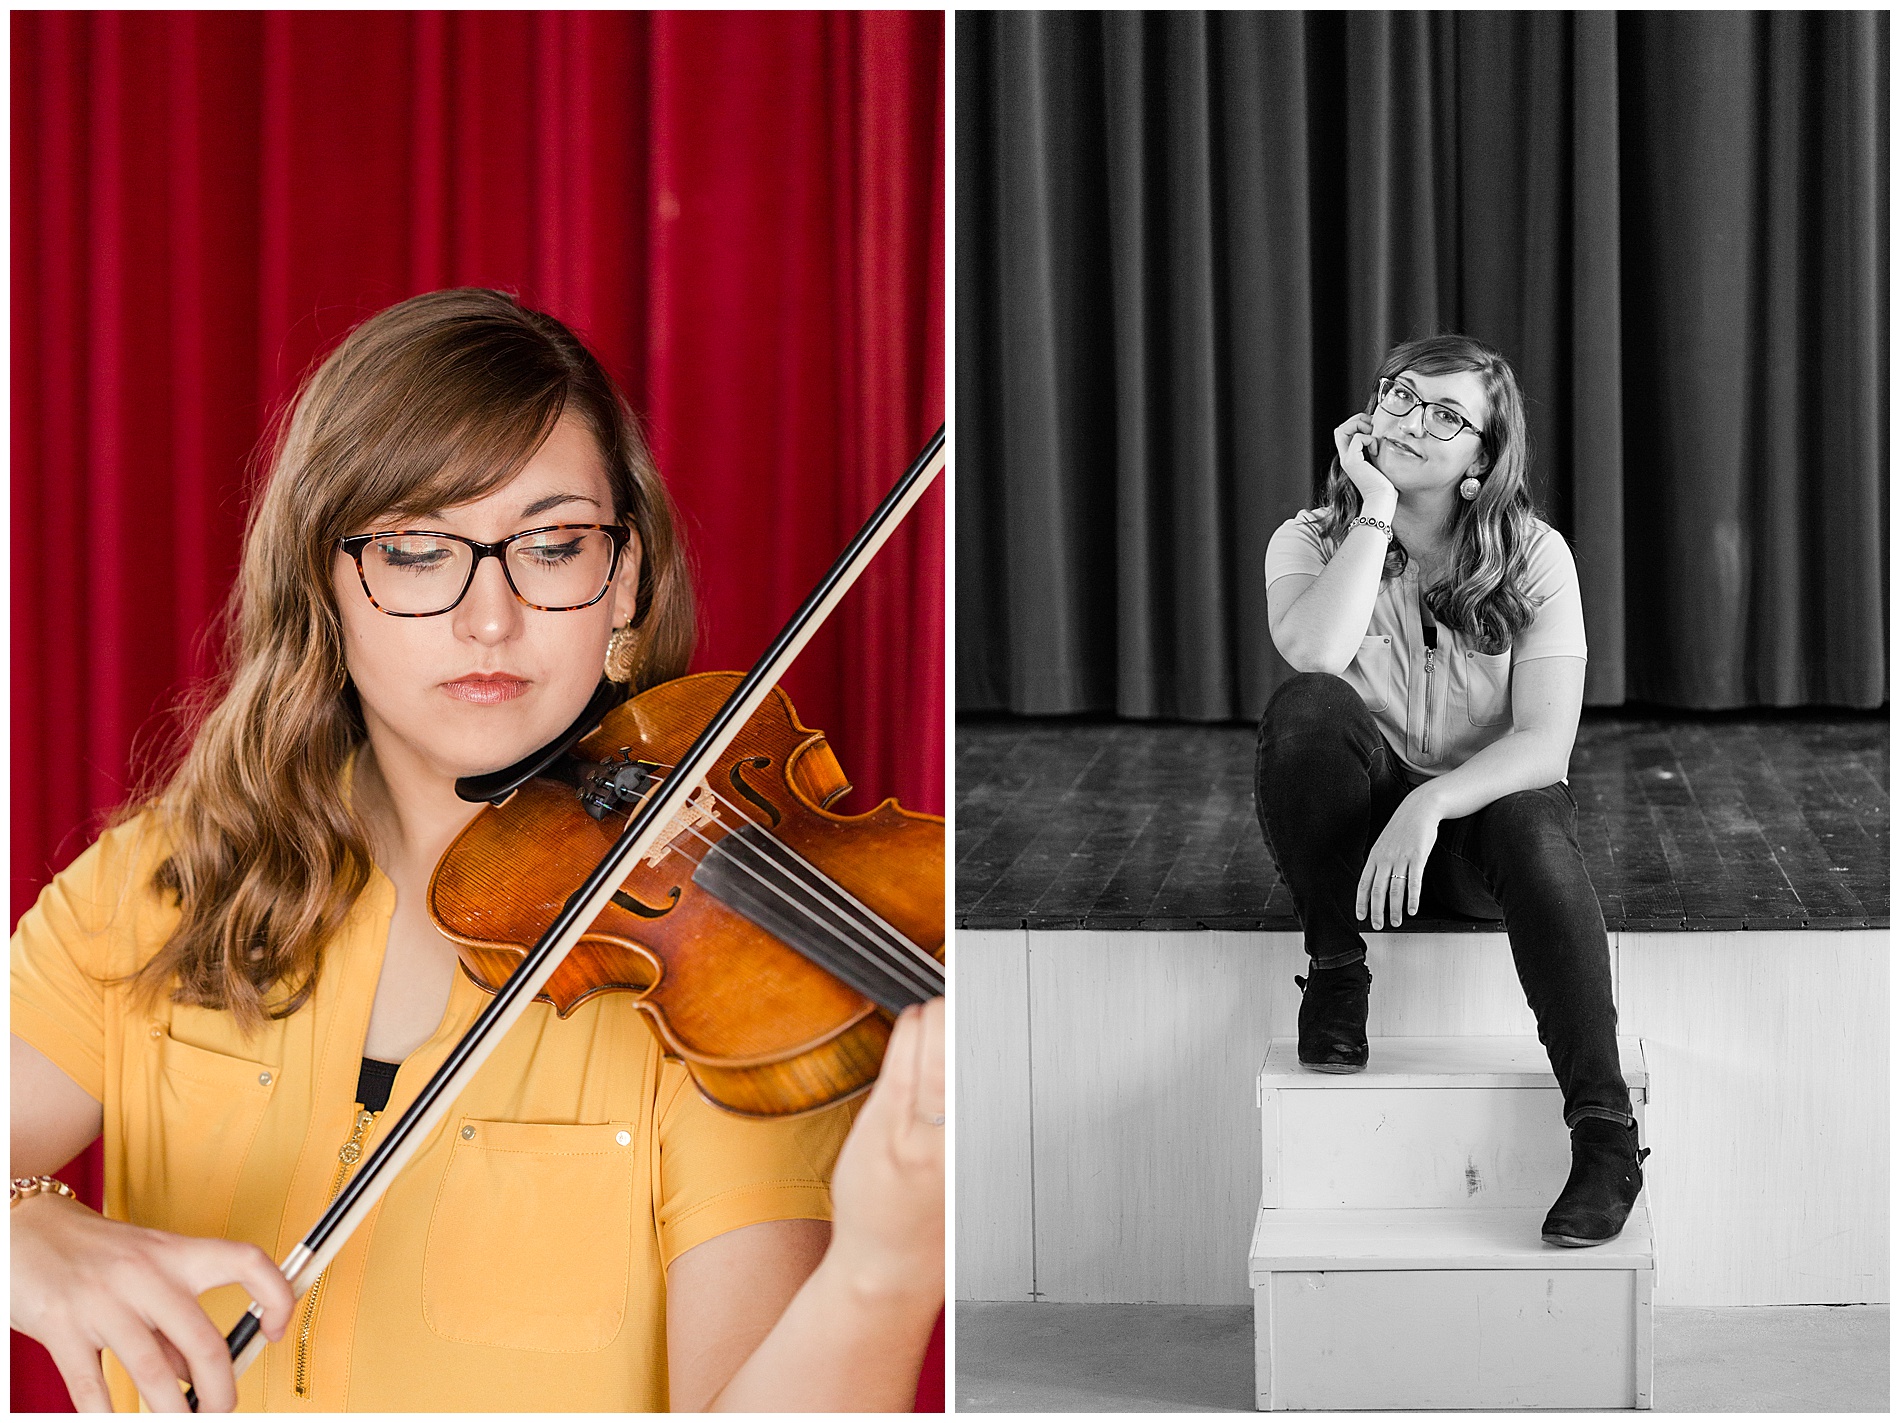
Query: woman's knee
{"type": "Point", "coordinates": [1530, 828]}
{"type": "Point", "coordinates": [1310, 701]}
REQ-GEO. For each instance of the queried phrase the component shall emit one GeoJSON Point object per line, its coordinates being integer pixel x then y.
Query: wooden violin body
{"type": "Point", "coordinates": [702, 930]}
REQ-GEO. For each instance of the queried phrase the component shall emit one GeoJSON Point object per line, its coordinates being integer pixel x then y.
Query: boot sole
{"type": "Point", "coordinates": [1576, 1242]}
{"type": "Point", "coordinates": [1334, 1067]}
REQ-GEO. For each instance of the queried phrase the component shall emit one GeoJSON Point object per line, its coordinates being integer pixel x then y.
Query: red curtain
{"type": "Point", "coordinates": [743, 214]}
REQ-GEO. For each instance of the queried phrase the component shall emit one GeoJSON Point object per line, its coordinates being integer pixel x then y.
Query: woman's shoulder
{"type": "Point", "coordinates": [108, 895]}
{"type": "Point", "coordinates": [1297, 546]}
{"type": "Point", "coordinates": [1547, 556]}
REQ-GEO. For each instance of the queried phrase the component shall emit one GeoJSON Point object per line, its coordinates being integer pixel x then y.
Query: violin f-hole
{"type": "Point", "coordinates": [757, 763]}
{"type": "Point", "coordinates": [647, 911]}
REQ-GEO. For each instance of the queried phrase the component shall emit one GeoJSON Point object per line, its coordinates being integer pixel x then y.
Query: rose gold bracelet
{"type": "Point", "coordinates": [20, 1187]}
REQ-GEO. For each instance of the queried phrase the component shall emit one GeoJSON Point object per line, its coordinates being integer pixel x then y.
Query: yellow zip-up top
{"type": "Point", "coordinates": [1439, 705]}
{"type": "Point", "coordinates": [518, 1262]}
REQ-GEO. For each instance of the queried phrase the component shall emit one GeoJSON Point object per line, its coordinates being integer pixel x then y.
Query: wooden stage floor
{"type": "Point", "coordinates": [1698, 822]}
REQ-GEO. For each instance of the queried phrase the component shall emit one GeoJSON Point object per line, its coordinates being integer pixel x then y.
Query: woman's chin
{"type": "Point", "coordinates": [485, 739]}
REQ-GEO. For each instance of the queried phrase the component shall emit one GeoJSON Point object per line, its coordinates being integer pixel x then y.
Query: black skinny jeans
{"type": "Point", "coordinates": [1326, 783]}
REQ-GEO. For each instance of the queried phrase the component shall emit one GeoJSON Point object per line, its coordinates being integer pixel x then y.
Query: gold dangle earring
{"type": "Point", "coordinates": [620, 654]}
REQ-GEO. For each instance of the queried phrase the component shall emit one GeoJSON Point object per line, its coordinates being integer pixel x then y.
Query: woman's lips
{"type": "Point", "coordinates": [486, 688]}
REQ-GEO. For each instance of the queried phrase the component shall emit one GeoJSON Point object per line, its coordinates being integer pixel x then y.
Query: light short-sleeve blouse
{"type": "Point", "coordinates": [1438, 707]}
{"type": "Point", "coordinates": [517, 1263]}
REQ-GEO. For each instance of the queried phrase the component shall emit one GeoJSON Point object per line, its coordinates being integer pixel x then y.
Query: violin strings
{"type": "Point", "coordinates": [820, 881]}
{"type": "Point", "coordinates": [894, 966]}
{"type": "Point", "coordinates": [864, 937]}
{"type": "Point", "coordinates": [744, 855]}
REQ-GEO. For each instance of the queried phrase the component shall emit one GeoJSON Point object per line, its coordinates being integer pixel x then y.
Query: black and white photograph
{"type": "Point", "coordinates": [1422, 712]}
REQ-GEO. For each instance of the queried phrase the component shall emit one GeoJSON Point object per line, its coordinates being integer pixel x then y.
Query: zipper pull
{"type": "Point", "coordinates": [352, 1151]}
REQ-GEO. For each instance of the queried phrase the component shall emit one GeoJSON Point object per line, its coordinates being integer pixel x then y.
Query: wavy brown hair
{"type": "Point", "coordinates": [1481, 596]}
{"type": "Point", "coordinates": [434, 402]}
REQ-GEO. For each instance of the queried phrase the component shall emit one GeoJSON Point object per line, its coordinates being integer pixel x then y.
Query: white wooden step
{"type": "Point", "coordinates": [1477, 1239]}
{"type": "Point", "coordinates": [1447, 1309]}
{"type": "Point", "coordinates": [1431, 1123]}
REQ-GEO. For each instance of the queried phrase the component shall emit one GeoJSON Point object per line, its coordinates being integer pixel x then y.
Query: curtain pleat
{"type": "Point", "coordinates": [1189, 239]}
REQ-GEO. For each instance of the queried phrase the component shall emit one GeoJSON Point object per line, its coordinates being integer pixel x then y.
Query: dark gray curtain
{"type": "Point", "coordinates": [1184, 241]}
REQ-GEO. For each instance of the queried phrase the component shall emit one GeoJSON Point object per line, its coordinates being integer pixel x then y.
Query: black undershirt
{"type": "Point", "coordinates": [373, 1084]}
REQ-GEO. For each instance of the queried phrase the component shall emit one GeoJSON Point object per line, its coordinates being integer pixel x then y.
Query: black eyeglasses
{"type": "Point", "coordinates": [1441, 421]}
{"type": "Point", "coordinates": [418, 573]}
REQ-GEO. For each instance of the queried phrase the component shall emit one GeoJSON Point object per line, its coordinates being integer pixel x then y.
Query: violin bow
{"type": "Point", "coordinates": [359, 1196]}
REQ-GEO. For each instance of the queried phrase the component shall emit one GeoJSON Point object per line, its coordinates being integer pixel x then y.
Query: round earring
{"type": "Point", "coordinates": [620, 654]}
{"type": "Point", "coordinates": [1469, 489]}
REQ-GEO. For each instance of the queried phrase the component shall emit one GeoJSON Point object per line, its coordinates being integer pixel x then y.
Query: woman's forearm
{"type": "Point", "coordinates": [842, 1345]}
{"type": "Point", "coordinates": [1321, 632]}
{"type": "Point", "coordinates": [1518, 761]}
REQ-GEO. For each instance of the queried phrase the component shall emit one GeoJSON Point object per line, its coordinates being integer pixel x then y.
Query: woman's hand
{"type": "Point", "coordinates": [82, 1283]}
{"type": "Point", "coordinates": [855, 1334]}
{"type": "Point", "coordinates": [1394, 876]}
{"type": "Point", "coordinates": [887, 1187]}
{"type": "Point", "coordinates": [1378, 496]}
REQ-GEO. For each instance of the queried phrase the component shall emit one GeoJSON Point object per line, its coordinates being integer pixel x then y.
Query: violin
{"type": "Point", "coordinates": [768, 941]}
{"type": "Point", "coordinates": [660, 800]}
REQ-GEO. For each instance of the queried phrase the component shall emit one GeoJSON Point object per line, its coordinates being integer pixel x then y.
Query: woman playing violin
{"type": "Point", "coordinates": [240, 981]}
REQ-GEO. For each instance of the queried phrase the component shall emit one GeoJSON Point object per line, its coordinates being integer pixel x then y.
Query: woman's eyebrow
{"type": "Point", "coordinates": [1431, 399]}
{"type": "Point", "coordinates": [554, 501]}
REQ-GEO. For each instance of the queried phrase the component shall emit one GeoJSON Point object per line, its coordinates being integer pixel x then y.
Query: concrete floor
{"type": "Point", "coordinates": [1133, 1358]}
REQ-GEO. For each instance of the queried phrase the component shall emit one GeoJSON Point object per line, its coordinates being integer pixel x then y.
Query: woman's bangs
{"type": "Point", "coordinates": [438, 459]}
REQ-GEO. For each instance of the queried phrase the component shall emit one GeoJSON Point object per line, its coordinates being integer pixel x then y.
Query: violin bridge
{"type": "Point", "coordinates": [700, 808]}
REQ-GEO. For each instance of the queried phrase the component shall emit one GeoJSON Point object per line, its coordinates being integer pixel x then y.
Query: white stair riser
{"type": "Point", "coordinates": [1453, 1339]}
{"type": "Point", "coordinates": [1414, 1146]}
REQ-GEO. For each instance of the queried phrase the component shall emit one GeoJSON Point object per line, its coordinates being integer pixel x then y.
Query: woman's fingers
{"type": "Point", "coordinates": [84, 1377]}
{"type": "Point", "coordinates": [183, 1328]}
{"type": "Point", "coordinates": [1342, 433]}
{"type": "Point", "coordinates": [1383, 892]}
{"type": "Point", "coordinates": [134, 1341]}
{"type": "Point", "coordinates": [894, 1095]}
{"type": "Point", "coordinates": [82, 1284]}
{"type": "Point", "coordinates": [930, 1048]}
{"type": "Point", "coordinates": [912, 1079]}
{"type": "Point", "coordinates": [181, 1367]}
{"type": "Point", "coordinates": [223, 1262]}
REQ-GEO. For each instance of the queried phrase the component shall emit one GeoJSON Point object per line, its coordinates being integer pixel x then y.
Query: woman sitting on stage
{"type": "Point", "coordinates": [1421, 754]}
{"type": "Point", "coordinates": [238, 983]}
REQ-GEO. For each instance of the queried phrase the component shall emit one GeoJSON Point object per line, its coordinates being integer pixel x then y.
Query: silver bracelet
{"type": "Point", "coordinates": [1370, 523]}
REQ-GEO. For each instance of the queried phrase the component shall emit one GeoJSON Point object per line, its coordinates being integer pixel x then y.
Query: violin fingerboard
{"type": "Point", "coordinates": [757, 878]}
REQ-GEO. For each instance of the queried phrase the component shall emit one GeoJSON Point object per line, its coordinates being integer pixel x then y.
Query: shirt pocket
{"type": "Point", "coordinates": [531, 1239]}
{"type": "Point", "coordinates": [1488, 687]}
{"type": "Point", "coordinates": [1371, 672]}
{"type": "Point", "coordinates": [204, 1108]}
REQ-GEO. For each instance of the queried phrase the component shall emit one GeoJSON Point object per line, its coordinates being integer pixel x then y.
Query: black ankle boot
{"type": "Point", "coordinates": [1333, 1017]}
{"type": "Point", "coordinates": [1606, 1174]}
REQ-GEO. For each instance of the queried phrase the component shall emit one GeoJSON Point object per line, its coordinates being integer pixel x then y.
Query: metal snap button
{"type": "Point", "coordinates": [468, 1133]}
{"type": "Point", "coordinates": [623, 1137]}
{"type": "Point", "coordinates": [263, 1079]}
{"type": "Point", "coordinates": [157, 1031]}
